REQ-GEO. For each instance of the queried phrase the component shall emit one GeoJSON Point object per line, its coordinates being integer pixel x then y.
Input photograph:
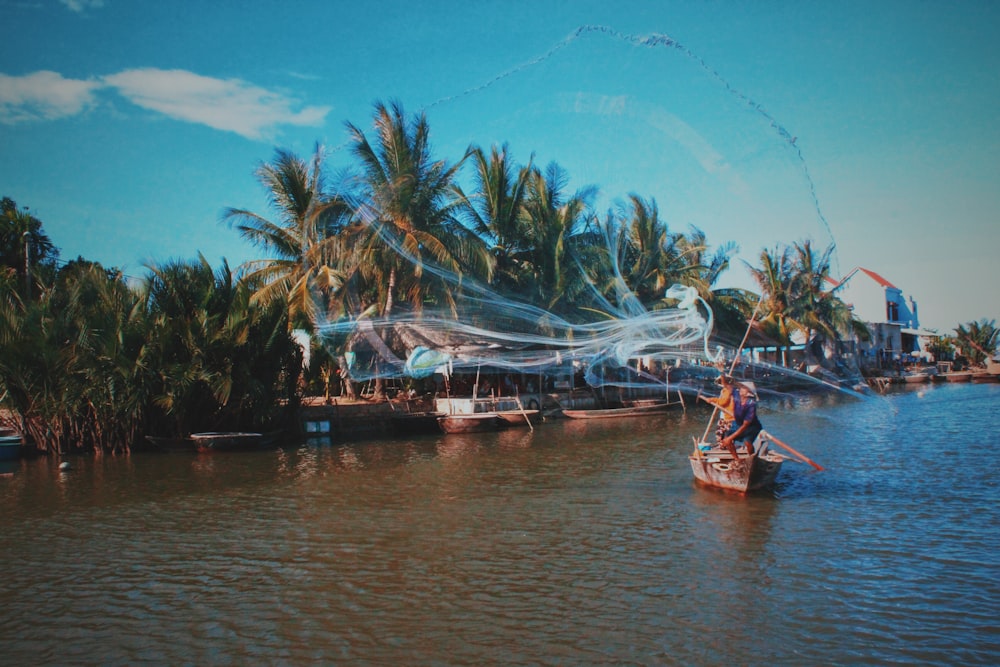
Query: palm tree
{"type": "Point", "coordinates": [220, 362]}
{"type": "Point", "coordinates": [776, 279]}
{"type": "Point", "coordinates": [978, 340]}
{"type": "Point", "coordinates": [72, 362]}
{"type": "Point", "coordinates": [307, 244]}
{"type": "Point", "coordinates": [646, 250]}
{"type": "Point", "coordinates": [410, 215]}
{"type": "Point", "coordinates": [495, 211]}
{"type": "Point", "coordinates": [24, 247]}
{"type": "Point", "coordinates": [825, 318]}
{"type": "Point", "coordinates": [553, 224]}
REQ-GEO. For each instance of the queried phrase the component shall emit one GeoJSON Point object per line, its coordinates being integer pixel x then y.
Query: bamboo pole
{"type": "Point", "coordinates": [517, 397]}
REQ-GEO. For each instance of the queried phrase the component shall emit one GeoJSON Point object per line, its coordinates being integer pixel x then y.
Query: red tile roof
{"type": "Point", "coordinates": [877, 278]}
{"type": "Point", "coordinates": [871, 274]}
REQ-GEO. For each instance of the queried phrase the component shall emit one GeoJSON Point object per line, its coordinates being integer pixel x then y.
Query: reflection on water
{"type": "Point", "coordinates": [580, 542]}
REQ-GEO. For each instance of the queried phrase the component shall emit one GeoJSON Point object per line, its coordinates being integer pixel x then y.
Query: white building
{"type": "Point", "coordinates": [892, 319]}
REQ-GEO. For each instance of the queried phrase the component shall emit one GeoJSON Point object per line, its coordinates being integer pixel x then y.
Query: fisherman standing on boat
{"type": "Point", "coordinates": [748, 426]}
{"type": "Point", "coordinates": [724, 403]}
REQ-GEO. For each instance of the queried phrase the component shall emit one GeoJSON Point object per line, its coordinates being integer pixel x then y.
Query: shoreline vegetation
{"type": "Point", "coordinates": [90, 362]}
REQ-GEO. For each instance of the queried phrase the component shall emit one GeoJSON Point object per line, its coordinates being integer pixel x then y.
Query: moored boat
{"type": "Point", "coordinates": [407, 423]}
{"type": "Point", "coordinates": [518, 417]}
{"type": "Point", "coordinates": [166, 444]}
{"type": "Point", "coordinates": [216, 441]}
{"type": "Point", "coordinates": [10, 446]}
{"type": "Point", "coordinates": [629, 411]}
{"type": "Point", "coordinates": [957, 376]}
{"type": "Point", "coordinates": [475, 422]}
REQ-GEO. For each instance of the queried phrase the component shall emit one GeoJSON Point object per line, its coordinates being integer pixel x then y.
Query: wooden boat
{"type": "Point", "coordinates": [10, 446]}
{"type": "Point", "coordinates": [475, 422]}
{"type": "Point", "coordinates": [984, 376]}
{"type": "Point", "coordinates": [716, 467]}
{"type": "Point", "coordinates": [628, 411]}
{"type": "Point", "coordinates": [518, 417]}
{"type": "Point", "coordinates": [165, 444]}
{"type": "Point", "coordinates": [217, 441]}
{"type": "Point", "coordinates": [958, 376]}
{"type": "Point", "coordinates": [406, 423]}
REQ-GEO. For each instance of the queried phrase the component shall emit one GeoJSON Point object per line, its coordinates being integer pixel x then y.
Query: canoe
{"type": "Point", "coordinates": [605, 413]}
{"type": "Point", "coordinates": [476, 422]}
{"type": "Point", "coordinates": [716, 468]}
{"type": "Point", "coordinates": [10, 447]}
{"type": "Point", "coordinates": [217, 441]}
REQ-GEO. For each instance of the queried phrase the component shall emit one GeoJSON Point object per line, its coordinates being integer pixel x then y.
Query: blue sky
{"type": "Point", "coordinates": [128, 126]}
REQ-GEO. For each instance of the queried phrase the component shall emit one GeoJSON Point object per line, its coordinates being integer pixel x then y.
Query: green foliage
{"type": "Point", "coordinates": [217, 361]}
{"type": "Point", "coordinates": [92, 364]}
{"type": "Point", "coordinates": [977, 340]}
{"type": "Point", "coordinates": [71, 362]}
{"type": "Point", "coordinates": [26, 252]}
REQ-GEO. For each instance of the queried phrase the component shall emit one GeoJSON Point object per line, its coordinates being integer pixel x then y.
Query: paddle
{"type": "Point", "coordinates": [802, 457]}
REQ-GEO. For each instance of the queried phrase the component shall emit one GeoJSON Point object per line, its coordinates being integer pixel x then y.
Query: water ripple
{"type": "Point", "coordinates": [575, 544]}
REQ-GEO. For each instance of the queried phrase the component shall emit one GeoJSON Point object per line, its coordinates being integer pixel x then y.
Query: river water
{"type": "Point", "coordinates": [582, 542]}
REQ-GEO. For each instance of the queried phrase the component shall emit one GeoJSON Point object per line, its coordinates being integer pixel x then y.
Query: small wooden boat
{"type": "Point", "coordinates": [629, 411]}
{"type": "Point", "coordinates": [518, 417]}
{"type": "Point", "coordinates": [984, 376]}
{"type": "Point", "coordinates": [218, 441]}
{"type": "Point", "coordinates": [407, 423]}
{"type": "Point", "coordinates": [10, 446]}
{"type": "Point", "coordinates": [716, 467]}
{"type": "Point", "coordinates": [165, 444]}
{"type": "Point", "coordinates": [958, 376]}
{"type": "Point", "coordinates": [475, 422]}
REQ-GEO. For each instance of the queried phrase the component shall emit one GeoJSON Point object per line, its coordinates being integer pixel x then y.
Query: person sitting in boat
{"type": "Point", "coordinates": [748, 426]}
{"type": "Point", "coordinates": [724, 403]}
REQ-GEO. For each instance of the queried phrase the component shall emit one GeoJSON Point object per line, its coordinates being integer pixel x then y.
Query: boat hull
{"type": "Point", "coordinates": [416, 422]}
{"type": "Point", "coordinates": [171, 444]}
{"type": "Point", "coordinates": [10, 447]}
{"type": "Point", "coordinates": [612, 413]}
{"type": "Point", "coordinates": [717, 469]}
{"type": "Point", "coordinates": [220, 441]}
{"type": "Point", "coordinates": [478, 422]}
{"type": "Point", "coordinates": [518, 417]}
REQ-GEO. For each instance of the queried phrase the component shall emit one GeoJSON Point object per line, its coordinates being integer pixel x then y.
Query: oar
{"type": "Point", "coordinates": [802, 457]}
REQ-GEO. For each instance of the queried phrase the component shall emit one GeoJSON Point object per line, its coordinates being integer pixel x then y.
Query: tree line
{"type": "Point", "coordinates": [90, 361]}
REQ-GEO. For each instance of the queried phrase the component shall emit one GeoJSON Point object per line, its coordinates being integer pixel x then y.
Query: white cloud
{"type": "Point", "coordinates": [231, 105]}
{"type": "Point", "coordinates": [43, 96]}
{"type": "Point", "coordinates": [80, 6]}
{"type": "Point", "coordinates": [224, 104]}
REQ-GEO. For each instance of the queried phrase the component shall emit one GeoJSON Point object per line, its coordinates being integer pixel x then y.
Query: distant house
{"type": "Point", "coordinates": [892, 319]}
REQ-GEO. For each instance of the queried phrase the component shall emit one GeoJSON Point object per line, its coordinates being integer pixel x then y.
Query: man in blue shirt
{"type": "Point", "coordinates": [748, 427]}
